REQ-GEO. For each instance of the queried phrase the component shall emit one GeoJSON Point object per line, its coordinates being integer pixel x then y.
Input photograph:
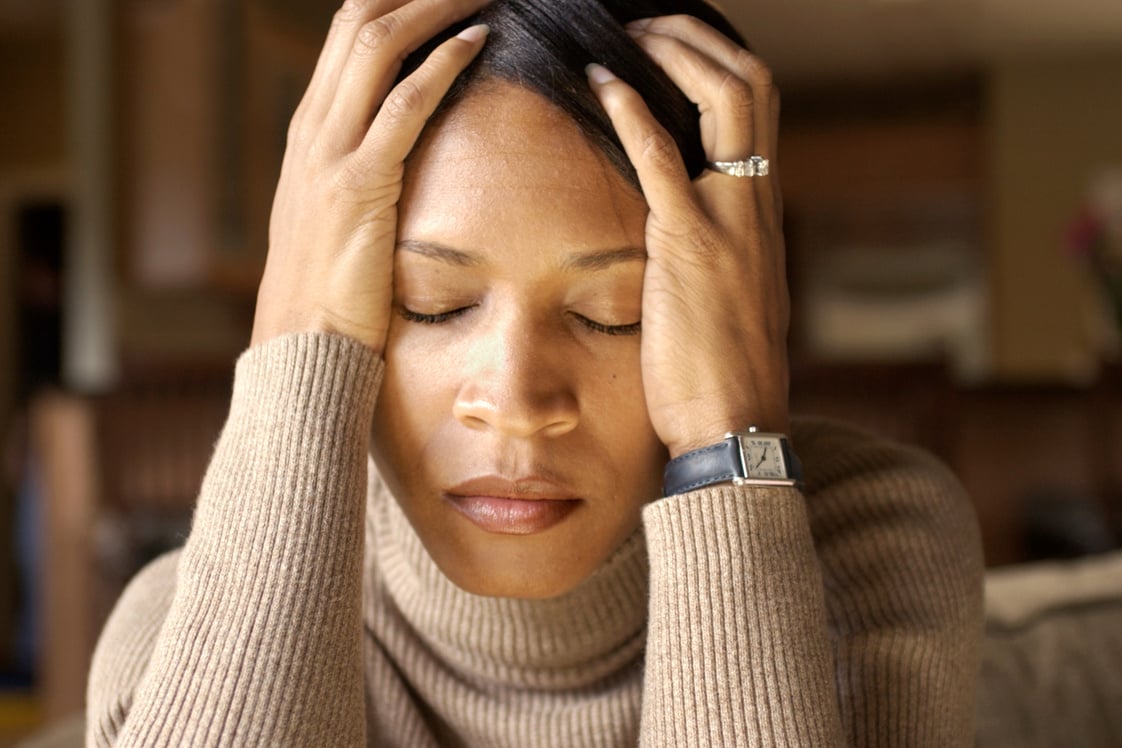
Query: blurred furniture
{"type": "Point", "coordinates": [69, 732]}
{"type": "Point", "coordinates": [898, 303]}
{"type": "Point", "coordinates": [1052, 662]}
{"type": "Point", "coordinates": [119, 474]}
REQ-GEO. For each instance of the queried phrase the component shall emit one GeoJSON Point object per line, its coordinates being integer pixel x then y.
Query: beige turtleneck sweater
{"type": "Point", "coordinates": [303, 610]}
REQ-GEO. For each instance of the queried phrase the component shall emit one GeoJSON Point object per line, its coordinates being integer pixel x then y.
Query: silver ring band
{"type": "Point", "coordinates": [753, 166]}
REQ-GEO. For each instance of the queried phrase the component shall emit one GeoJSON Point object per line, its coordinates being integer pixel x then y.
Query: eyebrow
{"type": "Point", "coordinates": [605, 258]}
{"type": "Point", "coordinates": [587, 261]}
{"type": "Point", "coordinates": [439, 252]}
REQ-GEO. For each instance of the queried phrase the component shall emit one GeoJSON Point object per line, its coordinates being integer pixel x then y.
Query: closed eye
{"type": "Point", "coordinates": [591, 324]}
{"type": "Point", "coordinates": [430, 319]}
{"type": "Point", "coordinates": [435, 319]}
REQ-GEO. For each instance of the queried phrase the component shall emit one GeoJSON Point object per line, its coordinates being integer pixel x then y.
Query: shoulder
{"type": "Point", "coordinates": [851, 471]}
{"type": "Point", "coordinates": [833, 452]}
{"type": "Point", "coordinates": [888, 520]}
{"type": "Point", "coordinates": [127, 641]}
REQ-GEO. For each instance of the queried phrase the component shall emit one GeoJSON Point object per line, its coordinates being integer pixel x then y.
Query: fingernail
{"type": "Point", "coordinates": [476, 33]}
{"type": "Point", "coordinates": [639, 24]}
{"type": "Point", "coordinates": [599, 74]}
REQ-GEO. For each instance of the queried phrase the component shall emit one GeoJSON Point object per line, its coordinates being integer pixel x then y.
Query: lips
{"type": "Point", "coordinates": [504, 506]}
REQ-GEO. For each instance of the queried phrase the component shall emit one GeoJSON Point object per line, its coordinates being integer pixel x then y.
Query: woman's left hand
{"type": "Point", "coordinates": [715, 302]}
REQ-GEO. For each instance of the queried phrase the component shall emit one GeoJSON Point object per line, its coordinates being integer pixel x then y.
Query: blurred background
{"type": "Point", "coordinates": [952, 172]}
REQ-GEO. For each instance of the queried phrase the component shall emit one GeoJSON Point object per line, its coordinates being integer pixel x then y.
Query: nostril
{"type": "Point", "coordinates": [518, 406]}
{"type": "Point", "coordinates": [473, 412]}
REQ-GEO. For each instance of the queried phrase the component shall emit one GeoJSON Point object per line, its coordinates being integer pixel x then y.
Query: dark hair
{"type": "Point", "coordinates": [544, 46]}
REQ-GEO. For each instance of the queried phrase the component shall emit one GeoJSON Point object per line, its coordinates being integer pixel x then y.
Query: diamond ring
{"type": "Point", "coordinates": [754, 166]}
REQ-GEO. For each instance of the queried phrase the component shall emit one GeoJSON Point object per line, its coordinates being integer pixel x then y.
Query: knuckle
{"type": "Point", "coordinates": [296, 135]}
{"type": "Point", "coordinates": [350, 11]}
{"type": "Point", "coordinates": [350, 177]}
{"type": "Point", "coordinates": [690, 229]}
{"type": "Point", "coordinates": [707, 245]}
{"type": "Point", "coordinates": [658, 150]}
{"type": "Point", "coordinates": [405, 101]}
{"type": "Point", "coordinates": [690, 23]}
{"type": "Point", "coordinates": [307, 144]}
{"type": "Point", "coordinates": [302, 136]}
{"type": "Point", "coordinates": [365, 177]}
{"type": "Point", "coordinates": [753, 68]}
{"type": "Point", "coordinates": [376, 34]}
{"type": "Point", "coordinates": [345, 183]}
{"type": "Point", "coordinates": [736, 95]}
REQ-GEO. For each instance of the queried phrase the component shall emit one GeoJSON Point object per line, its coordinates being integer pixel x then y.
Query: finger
{"type": "Point", "coordinates": [662, 173]}
{"type": "Point", "coordinates": [729, 55]}
{"type": "Point", "coordinates": [346, 22]}
{"type": "Point", "coordinates": [701, 35]}
{"type": "Point", "coordinates": [725, 100]}
{"type": "Point", "coordinates": [378, 50]}
{"type": "Point", "coordinates": [409, 105]}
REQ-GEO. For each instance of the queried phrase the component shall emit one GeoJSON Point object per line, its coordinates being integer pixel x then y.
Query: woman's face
{"type": "Point", "coordinates": [511, 423]}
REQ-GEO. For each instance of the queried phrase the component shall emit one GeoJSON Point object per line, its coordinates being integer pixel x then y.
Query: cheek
{"type": "Point", "coordinates": [623, 424]}
{"type": "Point", "coordinates": [416, 394]}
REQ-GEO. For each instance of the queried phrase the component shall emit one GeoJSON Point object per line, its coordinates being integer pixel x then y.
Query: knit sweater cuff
{"type": "Point", "coordinates": [738, 638]}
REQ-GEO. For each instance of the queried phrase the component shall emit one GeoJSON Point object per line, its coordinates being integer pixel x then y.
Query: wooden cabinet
{"type": "Point", "coordinates": [1012, 447]}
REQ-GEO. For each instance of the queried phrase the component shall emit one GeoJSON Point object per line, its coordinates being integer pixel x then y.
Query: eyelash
{"type": "Point", "coordinates": [436, 319]}
{"type": "Point", "coordinates": [632, 329]}
{"type": "Point", "coordinates": [431, 319]}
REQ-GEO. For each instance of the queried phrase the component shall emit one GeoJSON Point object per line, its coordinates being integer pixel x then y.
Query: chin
{"type": "Point", "coordinates": [529, 572]}
{"type": "Point", "coordinates": [517, 589]}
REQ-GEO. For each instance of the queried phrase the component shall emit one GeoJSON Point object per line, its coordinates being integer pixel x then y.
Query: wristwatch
{"type": "Point", "coordinates": [747, 457]}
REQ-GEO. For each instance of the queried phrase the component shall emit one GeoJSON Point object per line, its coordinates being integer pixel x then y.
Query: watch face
{"type": "Point", "coordinates": [763, 458]}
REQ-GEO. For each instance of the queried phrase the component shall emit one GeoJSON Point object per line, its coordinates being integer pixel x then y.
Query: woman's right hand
{"type": "Point", "coordinates": [334, 221]}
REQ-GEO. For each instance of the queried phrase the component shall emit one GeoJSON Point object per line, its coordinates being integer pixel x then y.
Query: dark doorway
{"type": "Point", "coordinates": [37, 297]}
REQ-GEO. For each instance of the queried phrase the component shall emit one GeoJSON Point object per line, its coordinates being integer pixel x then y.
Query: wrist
{"type": "Point", "coordinates": [748, 457]}
{"type": "Point", "coordinates": [704, 436]}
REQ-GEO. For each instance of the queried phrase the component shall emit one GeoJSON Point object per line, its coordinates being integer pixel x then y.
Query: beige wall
{"type": "Point", "coordinates": [1051, 124]}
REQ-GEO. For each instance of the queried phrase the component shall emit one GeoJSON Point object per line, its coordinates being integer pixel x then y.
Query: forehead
{"type": "Point", "coordinates": [498, 121]}
{"type": "Point", "coordinates": [507, 158]}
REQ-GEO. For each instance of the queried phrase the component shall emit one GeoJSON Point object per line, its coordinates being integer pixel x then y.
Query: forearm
{"type": "Point", "coordinates": [738, 648]}
{"type": "Point", "coordinates": [262, 643]}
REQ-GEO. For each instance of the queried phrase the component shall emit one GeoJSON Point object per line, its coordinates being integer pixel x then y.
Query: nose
{"type": "Point", "coordinates": [517, 383]}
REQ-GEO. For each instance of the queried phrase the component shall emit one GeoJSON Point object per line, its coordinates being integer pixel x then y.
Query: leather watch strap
{"type": "Point", "coordinates": [718, 463]}
{"type": "Point", "coordinates": [748, 457]}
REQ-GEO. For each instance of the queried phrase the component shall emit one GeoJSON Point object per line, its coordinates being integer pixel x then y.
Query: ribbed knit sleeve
{"type": "Point", "coordinates": [261, 644]}
{"type": "Point", "coordinates": [738, 648]}
{"type": "Point", "coordinates": [848, 614]}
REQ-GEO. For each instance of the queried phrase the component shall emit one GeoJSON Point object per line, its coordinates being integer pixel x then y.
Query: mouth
{"type": "Point", "coordinates": [503, 506]}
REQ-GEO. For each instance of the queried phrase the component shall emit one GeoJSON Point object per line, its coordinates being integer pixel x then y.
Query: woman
{"type": "Point", "coordinates": [508, 573]}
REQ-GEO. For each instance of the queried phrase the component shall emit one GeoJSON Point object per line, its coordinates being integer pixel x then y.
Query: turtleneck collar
{"type": "Point", "coordinates": [572, 641]}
